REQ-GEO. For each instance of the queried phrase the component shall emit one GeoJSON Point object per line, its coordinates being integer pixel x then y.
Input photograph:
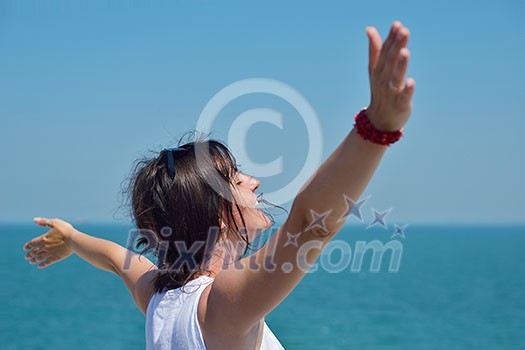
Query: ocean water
{"type": "Point", "coordinates": [456, 288]}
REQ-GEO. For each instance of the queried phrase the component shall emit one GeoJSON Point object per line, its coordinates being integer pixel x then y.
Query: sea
{"type": "Point", "coordinates": [414, 287]}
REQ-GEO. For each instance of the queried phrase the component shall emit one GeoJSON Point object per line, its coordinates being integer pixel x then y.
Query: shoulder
{"type": "Point", "coordinates": [144, 290]}
{"type": "Point", "coordinates": [217, 330]}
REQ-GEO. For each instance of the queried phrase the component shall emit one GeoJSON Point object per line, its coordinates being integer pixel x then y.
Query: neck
{"type": "Point", "coordinates": [222, 256]}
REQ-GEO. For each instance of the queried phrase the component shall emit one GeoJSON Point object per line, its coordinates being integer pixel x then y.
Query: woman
{"type": "Point", "coordinates": [203, 293]}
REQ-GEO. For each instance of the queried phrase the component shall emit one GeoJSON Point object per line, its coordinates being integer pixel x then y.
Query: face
{"type": "Point", "coordinates": [244, 187]}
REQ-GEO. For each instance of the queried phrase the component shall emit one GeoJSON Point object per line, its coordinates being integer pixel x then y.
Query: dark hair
{"type": "Point", "coordinates": [184, 208]}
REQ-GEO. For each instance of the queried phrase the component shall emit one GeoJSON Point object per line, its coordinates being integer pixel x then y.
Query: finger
{"type": "Point", "coordinates": [398, 76]}
{"type": "Point", "coordinates": [408, 92]}
{"type": "Point", "coordinates": [388, 43]}
{"type": "Point", "coordinates": [35, 251]}
{"type": "Point", "coordinates": [44, 221]}
{"type": "Point", "coordinates": [34, 242]}
{"type": "Point", "coordinates": [49, 261]}
{"type": "Point", "coordinates": [39, 258]}
{"type": "Point", "coordinates": [394, 54]}
{"type": "Point", "coordinates": [374, 47]}
{"type": "Point", "coordinates": [54, 223]}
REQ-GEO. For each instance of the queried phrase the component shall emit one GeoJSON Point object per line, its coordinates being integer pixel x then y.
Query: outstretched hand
{"type": "Point", "coordinates": [391, 95]}
{"type": "Point", "coordinates": [50, 247]}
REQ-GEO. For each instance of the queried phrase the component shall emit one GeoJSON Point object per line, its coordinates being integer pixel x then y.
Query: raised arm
{"type": "Point", "coordinates": [62, 240]}
{"type": "Point", "coordinates": [239, 298]}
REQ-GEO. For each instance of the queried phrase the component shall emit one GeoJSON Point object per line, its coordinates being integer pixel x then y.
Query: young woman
{"type": "Point", "coordinates": [202, 293]}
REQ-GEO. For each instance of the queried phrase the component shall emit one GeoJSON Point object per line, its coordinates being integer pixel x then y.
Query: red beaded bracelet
{"type": "Point", "coordinates": [367, 131]}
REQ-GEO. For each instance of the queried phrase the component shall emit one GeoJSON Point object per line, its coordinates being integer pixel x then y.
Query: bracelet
{"type": "Point", "coordinates": [367, 131]}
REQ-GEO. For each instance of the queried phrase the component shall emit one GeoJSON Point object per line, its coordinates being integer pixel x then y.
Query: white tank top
{"type": "Point", "coordinates": [172, 324]}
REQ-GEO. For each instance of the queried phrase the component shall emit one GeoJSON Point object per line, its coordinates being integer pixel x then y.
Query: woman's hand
{"type": "Point", "coordinates": [391, 102]}
{"type": "Point", "coordinates": [50, 247]}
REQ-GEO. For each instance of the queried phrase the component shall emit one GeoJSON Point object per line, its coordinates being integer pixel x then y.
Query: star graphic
{"type": "Point", "coordinates": [399, 231]}
{"type": "Point", "coordinates": [292, 239]}
{"type": "Point", "coordinates": [379, 218]}
{"type": "Point", "coordinates": [318, 220]}
{"type": "Point", "coordinates": [353, 208]}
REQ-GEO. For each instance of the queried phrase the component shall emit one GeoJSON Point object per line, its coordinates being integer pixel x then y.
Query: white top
{"type": "Point", "coordinates": [172, 324]}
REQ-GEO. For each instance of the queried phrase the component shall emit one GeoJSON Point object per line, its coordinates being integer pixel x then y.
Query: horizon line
{"type": "Point", "coordinates": [353, 224]}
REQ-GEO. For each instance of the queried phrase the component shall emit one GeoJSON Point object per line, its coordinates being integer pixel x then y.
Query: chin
{"type": "Point", "coordinates": [260, 226]}
{"type": "Point", "coordinates": [256, 221]}
{"type": "Point", "coordinates": [266, 224]}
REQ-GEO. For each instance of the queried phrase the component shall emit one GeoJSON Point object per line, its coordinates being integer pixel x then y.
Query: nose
{"type": "Point", "coordinates": [254, 183]}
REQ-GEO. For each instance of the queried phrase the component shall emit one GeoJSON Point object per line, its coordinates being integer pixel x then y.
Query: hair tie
{"type": "Point", "coordinates": [170, 157]}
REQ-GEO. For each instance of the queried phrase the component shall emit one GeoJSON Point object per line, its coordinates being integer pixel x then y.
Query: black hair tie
{"type": "Point", "coordinates": [170, 156]}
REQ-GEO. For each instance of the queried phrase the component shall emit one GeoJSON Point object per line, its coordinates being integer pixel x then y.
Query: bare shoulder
{"type": "Point", "coordinates": [218, 333]}
{"type": "Point", "coordinates": [145, 289]}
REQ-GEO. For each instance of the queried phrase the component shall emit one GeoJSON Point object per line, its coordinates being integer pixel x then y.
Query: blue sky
{"type": "Point", "coordinates": [88, 87]}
